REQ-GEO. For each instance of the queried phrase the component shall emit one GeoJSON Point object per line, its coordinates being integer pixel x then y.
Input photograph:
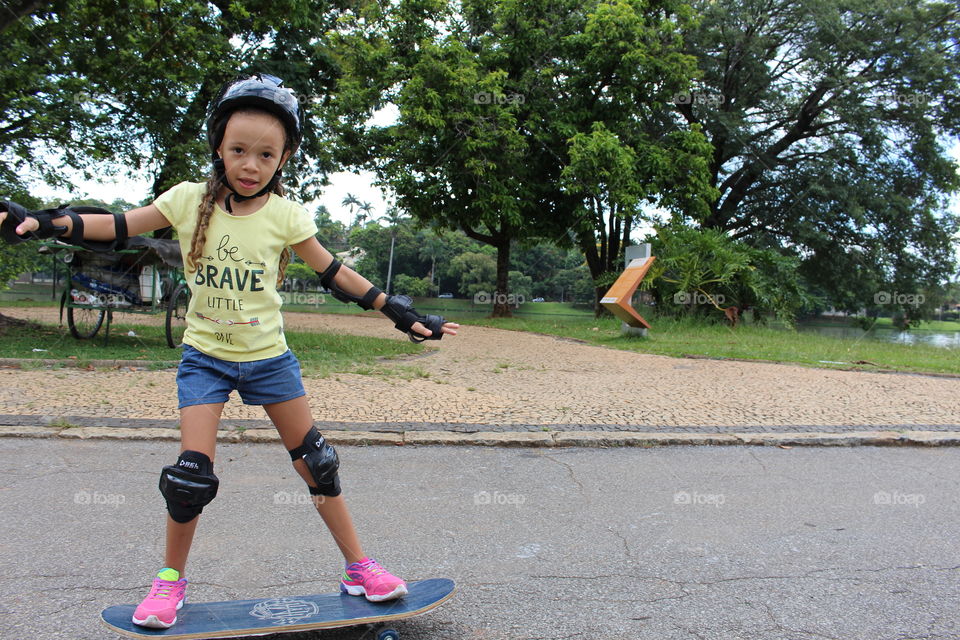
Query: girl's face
{"type": "Point", "coordinates": [252, 150]}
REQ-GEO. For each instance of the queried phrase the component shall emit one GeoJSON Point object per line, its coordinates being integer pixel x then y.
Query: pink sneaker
{"type": "Point", "coordinates": [159, 609]}
{"type": "Point", "coordinates": [368, 578]}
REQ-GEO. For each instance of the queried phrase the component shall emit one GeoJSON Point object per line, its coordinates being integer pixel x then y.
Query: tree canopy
{"type": "Point", "coordinates": [830, 123]}
{"type": "Point", "coordinates": [509, 114]}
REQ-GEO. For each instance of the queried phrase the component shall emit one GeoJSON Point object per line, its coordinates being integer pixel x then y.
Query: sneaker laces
{"type": "Point", "coordinates": [373, 567]}
{"type": "Point", "coordinates": [162, 588]}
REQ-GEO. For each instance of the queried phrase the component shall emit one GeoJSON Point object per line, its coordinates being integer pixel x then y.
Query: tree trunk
{"type": "Point", "coordinates": [500, 239]}
{"type": "Point", "coordinates": [501, 306]}
{"type": "Point", "coordinates": [393, 240]}
{"type": "Point", "coordinates": [188, 129]}
{"type": "Point", "coordinates": [598, 309]}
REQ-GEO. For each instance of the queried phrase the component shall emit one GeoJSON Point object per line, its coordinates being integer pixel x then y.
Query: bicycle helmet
{"type": "Point", "coordinates": [260, 91]}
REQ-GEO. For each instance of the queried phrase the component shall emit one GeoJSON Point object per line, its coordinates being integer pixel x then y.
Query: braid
{"type": "Point", "coordinates": [204, 211]}
{"type": "Point", "coordinates": [286, 254]}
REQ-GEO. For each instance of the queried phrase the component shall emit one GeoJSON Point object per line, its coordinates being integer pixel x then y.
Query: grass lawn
{"type": "Point", "coordinates": [681, 338]}
{"type": "Point", "coordinates": [320, 354]}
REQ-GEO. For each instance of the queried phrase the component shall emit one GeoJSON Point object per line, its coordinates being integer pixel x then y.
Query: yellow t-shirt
{"type": "Point", "coordinates": [234, 311]}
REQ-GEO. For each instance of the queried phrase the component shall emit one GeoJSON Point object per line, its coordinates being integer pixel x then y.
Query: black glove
{"type": "Point", "coordinates": [17, 214]}
{"type": "Point", "coordinates": [400, 310]}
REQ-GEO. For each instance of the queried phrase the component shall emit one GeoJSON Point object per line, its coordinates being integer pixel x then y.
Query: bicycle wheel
{"type": "Point", "coordinates": [177, 315]}
{"type": "Point", "coordinates": [84, 322]}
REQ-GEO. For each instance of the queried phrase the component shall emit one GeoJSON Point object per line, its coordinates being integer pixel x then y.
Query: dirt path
{"type": "Point", "coordinates": [513, 380]}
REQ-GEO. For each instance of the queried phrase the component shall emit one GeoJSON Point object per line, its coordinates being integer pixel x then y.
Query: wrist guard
{"type": "Point", "coordinates": [400, 310]}
{"type": "Point", "coordinates": [17, 214]}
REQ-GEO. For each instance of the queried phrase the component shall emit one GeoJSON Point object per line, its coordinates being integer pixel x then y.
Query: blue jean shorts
{"type": "Point", "coordinates": [203, 379]}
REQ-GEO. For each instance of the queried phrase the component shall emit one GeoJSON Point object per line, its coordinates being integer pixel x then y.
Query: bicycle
{"type": "Point", "coordinates": [144, 278]}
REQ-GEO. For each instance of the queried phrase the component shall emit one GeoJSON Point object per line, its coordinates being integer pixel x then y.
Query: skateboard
{"type": "Point", "coordinates": [265, 616]}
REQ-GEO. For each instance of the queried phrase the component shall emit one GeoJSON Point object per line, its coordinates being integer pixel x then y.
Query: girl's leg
{"type": "Point", "coordinates": [198, 432]}
{"type": "Point", "coordinates": [292, 420]}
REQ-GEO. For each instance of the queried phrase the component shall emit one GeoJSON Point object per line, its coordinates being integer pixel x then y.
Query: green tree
{"type": "Point", "coordinates": [411, 286]}
{"type": "Point", "coordinates": [352, 203]}
{"type": "Point", "coordinates": [704, 271]}
{"type": "Point", "coordinates": [375, 241]}
{"type": "Point", "coordinates": [829, 124]}
{"type": "Point", "coordinates": [431, 248]}
{"type": "Point", "coordinates": [490, 94]}
{"type": "Point", "coordinates": [394, 218]}
{"type": "Point", "coordinates": [521, 286]}
{"type": "Point", "coordinates": [301, 275]}
{"type": "Point", "coordinates": [476, 271]}
{"type": "Point", "coordinates": [126, 86]}
{"type": "Point", "coordinates": [331, 233]}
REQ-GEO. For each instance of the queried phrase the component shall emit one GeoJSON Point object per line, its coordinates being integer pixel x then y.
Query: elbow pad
{"type": "Point", "coordinates": [76, 236]}
{"type": "Point", "coordinates": [328, 281]}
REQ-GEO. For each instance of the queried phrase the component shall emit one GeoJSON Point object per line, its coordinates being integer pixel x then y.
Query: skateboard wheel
{"type": "Point", "coordinates": [388, 634]}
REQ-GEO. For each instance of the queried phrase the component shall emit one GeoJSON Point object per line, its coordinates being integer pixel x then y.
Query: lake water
{"type": "Point", "coordinates": [945, 339]}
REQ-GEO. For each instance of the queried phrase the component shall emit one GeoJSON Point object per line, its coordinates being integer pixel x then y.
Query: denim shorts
{"type": "Point", "coordinates": [203, 379]}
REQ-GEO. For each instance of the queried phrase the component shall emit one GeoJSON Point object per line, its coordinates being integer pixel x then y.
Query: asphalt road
{"type": "Point", "coordinates": [660, 543]}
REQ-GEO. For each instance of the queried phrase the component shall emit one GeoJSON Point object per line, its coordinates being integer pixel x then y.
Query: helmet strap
{"type": "Point", "coordinates": [221, 172]}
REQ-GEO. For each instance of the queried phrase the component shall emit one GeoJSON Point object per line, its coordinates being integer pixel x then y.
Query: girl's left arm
{"type": "Point", "coordinates": [318, 259]}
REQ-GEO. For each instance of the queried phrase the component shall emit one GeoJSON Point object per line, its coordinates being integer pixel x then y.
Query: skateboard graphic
{"type": "Point", "coordinates": [264, 616]}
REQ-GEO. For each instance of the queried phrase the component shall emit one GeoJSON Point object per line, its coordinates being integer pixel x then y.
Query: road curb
{"type": "Point", "coordinates": [518, 439]}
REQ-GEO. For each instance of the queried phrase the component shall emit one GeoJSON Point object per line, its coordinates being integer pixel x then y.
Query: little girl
{"type": "Point", "coordinates": [234, 232]}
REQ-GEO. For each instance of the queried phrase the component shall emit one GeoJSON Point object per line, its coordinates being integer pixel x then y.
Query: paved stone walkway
{"type": "Point", "coordinates": [496, 380]}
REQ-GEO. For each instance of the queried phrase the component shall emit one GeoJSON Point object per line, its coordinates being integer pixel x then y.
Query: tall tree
{"type": "Point", "coordinates": [491, 94]}
{"type": "Point", "coordinates": [350, 201]}
{"type": "Point", "coordinates": [830, 123]}
{"type": "Point", "coordinates": [126, 86]}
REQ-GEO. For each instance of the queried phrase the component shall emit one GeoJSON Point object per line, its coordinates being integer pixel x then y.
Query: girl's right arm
{"type": "Point", "coordinates": [102, 227]}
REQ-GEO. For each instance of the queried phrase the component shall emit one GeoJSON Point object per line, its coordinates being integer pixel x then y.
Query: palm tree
{"type": "Point", "coordinates": [367, 209]}
{"type": "Point", "coordinates": [351, 201]}
{"type": "Point", "coordinates": [394, 218]}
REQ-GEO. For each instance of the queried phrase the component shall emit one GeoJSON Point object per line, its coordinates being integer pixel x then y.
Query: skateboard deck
{"type": "Point", "coordinates": [265, 616]}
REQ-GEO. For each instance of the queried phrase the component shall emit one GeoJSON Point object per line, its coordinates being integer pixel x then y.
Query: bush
{"type": "Point", "coordinates": [413, 287]}
{"type": "Point", "coordinates": [704, 271]}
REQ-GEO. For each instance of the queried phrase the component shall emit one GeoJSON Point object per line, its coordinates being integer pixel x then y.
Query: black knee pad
{"type": "Point", "coordinates": [189, 485]}
{"type": "Point", "coordinates": [322, 462]}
